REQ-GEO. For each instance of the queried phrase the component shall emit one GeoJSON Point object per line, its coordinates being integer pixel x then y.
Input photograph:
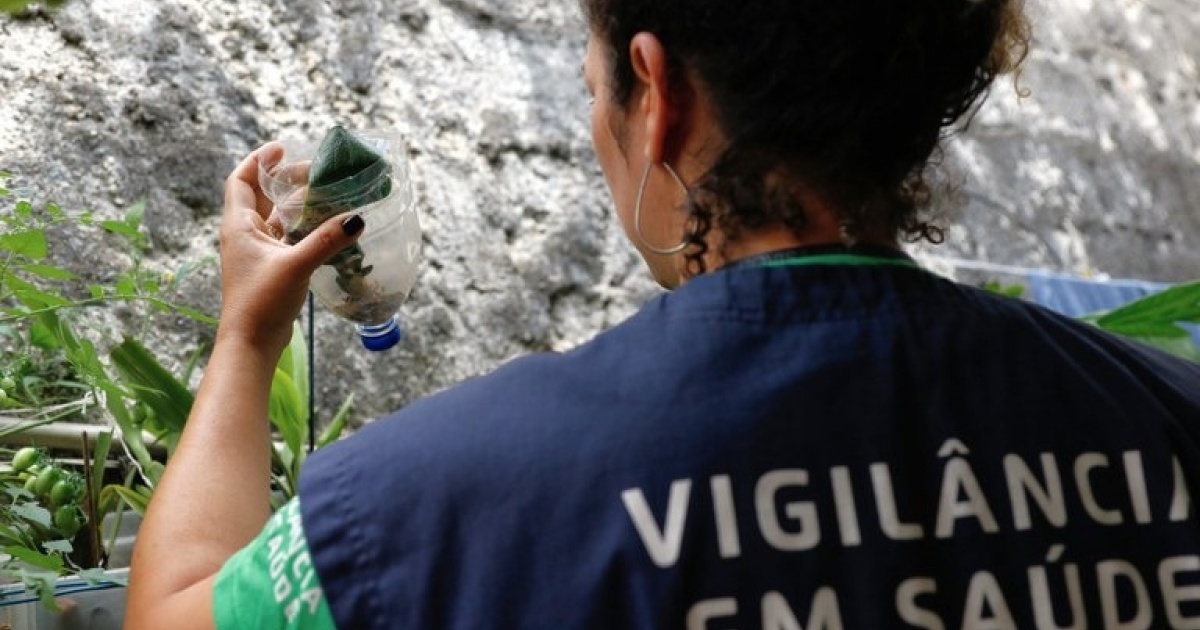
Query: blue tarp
{"type": "Point", "coordinates": [1075, 296]}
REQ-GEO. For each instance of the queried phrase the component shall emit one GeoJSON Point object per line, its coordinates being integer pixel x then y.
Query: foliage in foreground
{"type": "Point", "coordinates": [51, 371]}
{"type": "Point", "coordinates": [17, 6]}
{"type": "Point", "coordinates": [1153, 320]}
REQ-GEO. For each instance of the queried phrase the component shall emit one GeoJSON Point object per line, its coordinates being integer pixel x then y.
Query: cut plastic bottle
{"type": "Point", "coordinates": [365, 172]}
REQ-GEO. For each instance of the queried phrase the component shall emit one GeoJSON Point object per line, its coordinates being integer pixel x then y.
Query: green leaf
{"type": "Point", "coordinates": [96, 475]}
{"type": "Point", "coordinates": [193, 361]}
{"type": "Point", "coordinates": [24, 209]}
{"type": "Point", "coordinates": [1183, 347]}
{"type": "Point", "coordinates": [48, 271]}
{"type": "Point", "coordinates": [100, 576]}
{"type": "Point", "coordinates": [153, 385]}
{"type": "Point", "coordinates": [135, 214]}
{"type": "Point", "coordinates": [294, 361]}
{"type": "Point", "coordinates": [59, 546]}
{"type": "Point", "coordinates": [9, 534]}
{"type": "Point", "coordinates": [126, 287]}
{"type": "Point", "coordinates": [196, 315]}
{"type": "Point", "coordinates": [42, 584]}
{"type": "Point", "coordinates": [96, 290]}
{"type": "Point", "coordinates": [83, 356]}
{"type": "Point", "coordinates": [35, 558]}
{"type": "Point", "coordinates": [42, 336]}
{"type": "Point", "coordinates": [13, 6]}
{"type": "Point", "coordinates": [338, 424]}
{"type": "Point", "coordinates": [154, 470]}
{"type": "Point", "coordinates": [120, 227]}
{"type": "Point", "coordinates": [1156, 315]}
{"type": "Point", "coordinates": [28, 243]}
{"type": "Point", "coordinates": [288, 411]}
{"type": "Point", "coordinates": [186, 269]}
{"type": "Point", "coordinates": [33, 513]}
{"type": "Point", "coordinates": [33, 297]}
{"type": "Point", "coordinates": [131, 434]}
{"type": "Point", "coordinates": [1009, 290]}
{"type": "Point", "coordinates": [135, 500]}
{"type": "Point", "coordinates": [282, 459]}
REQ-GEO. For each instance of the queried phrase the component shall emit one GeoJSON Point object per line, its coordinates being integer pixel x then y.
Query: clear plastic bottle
{"type": "Point", "coordinates": [366, 283]}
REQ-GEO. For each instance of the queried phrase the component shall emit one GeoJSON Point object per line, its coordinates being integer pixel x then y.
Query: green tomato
{"type": "Point", "coordinates": [64, 492]}
{"type": "Point", "coordinates": [30, 484]}
{"type": "Point", "coordinates": [46, 480]}
{"type": "Point", "coordinates": [7, 383]}
{"type": "Point", "coordinates": [26, 458]}
{"type": "Point", "coordinates": [68, 520]}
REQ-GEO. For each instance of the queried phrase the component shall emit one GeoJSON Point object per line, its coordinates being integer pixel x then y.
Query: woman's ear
{"type": "Point", "coordinates": [653, 98]}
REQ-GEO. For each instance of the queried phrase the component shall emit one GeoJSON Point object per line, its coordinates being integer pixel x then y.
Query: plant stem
{"type": "Point", "coordinates": [100, 301]}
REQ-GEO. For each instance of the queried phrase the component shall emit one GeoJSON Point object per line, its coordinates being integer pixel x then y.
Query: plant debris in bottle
{"type": "Point", "coordinates": [346, 174]}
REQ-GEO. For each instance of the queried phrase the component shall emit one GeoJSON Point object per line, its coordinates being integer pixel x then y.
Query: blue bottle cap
{"type": "Point", "coordinates": [380, 337]}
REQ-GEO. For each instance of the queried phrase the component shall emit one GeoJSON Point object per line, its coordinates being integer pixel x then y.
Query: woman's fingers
{"type": "Point", "coordinates": [264, 278]}
{"type": "Point", "coordinates": [275, 225]}
{"type": "Point", "coordinates": [241, 187]}
{"type": "Point", "coordinates": [329, 238]}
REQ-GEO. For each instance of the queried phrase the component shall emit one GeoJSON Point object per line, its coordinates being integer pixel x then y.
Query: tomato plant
{"type": "Point", "coordinates": [52, 369]}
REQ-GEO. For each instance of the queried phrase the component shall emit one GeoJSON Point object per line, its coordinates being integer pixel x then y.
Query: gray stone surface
{"type": "Point", "coordinates": [1097, 169]}
{"type": "Point", "coordinates": [106, 102]}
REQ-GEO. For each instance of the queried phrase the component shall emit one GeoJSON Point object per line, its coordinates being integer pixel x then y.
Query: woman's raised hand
{"type": "Point", "coordinates": [263, 280]}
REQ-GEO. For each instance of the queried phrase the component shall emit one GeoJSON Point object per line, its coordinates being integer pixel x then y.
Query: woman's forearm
{"type": "Point", "coordinates": [215, 494]}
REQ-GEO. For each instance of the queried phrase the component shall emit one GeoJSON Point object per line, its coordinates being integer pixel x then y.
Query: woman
{"type": "Point", "coordinates": [809, 432]}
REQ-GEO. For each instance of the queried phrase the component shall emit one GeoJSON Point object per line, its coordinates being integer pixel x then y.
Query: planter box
{"type": "Point", "coordinates": [84, 607]}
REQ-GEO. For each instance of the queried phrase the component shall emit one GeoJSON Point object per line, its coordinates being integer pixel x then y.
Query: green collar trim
{"type": "Point", "coordinates": [857, 260]}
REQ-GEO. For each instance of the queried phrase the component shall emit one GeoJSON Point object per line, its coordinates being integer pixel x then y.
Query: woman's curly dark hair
{"type": "Point", "coordinates": [848, 99]}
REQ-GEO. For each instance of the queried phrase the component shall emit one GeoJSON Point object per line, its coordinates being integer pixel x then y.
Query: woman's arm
{"type": "Point", "coordinates": [214, 496]}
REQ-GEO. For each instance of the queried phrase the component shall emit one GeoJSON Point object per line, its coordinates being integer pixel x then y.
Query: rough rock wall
{"type": "Point", "coordinates": [110, 101]}
{"type": "Point", "coordinates": [1097, 169]}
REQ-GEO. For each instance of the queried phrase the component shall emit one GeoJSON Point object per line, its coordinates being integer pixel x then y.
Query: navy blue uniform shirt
{"type": "Point", "coordinates": [821, 446]}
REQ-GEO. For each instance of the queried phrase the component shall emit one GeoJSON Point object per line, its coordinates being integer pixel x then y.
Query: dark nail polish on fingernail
{"type": "Point", "coordinates": [353, 225]}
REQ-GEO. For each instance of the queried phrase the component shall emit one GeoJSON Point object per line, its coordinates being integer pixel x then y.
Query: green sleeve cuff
{"type": "Point", "coordinates": [270, 584]}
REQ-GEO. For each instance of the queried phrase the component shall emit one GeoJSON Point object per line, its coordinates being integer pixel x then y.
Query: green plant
{"type": "Point", "coordinates": [163, 402]}
{"type": "Point", "coordinates": [35, 374]}
{"type": "Point", "coordinates": [40, 303]}
{"type": "Point", "coordinates": [1153, 320]}
{"type": "Point", "coordinates": [140, 396]}
{"type": "Point", "coordinates": [50, 372]}
{"type": "Point", "coordinates": [16, 6]}
{"type": "Point", "coordinates": [43, 506]}
{"type": "Point", "coordinates": [289, 410]}
{"type": "Point", "coordinates": [1010, 290]}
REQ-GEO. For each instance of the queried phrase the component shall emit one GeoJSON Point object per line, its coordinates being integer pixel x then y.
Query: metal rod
{"type": "Point", "coordinates": [312, 378]}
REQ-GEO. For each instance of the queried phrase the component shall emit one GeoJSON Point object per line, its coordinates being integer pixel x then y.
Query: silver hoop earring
{"type": "Point", "coordinates": [637, 212]}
